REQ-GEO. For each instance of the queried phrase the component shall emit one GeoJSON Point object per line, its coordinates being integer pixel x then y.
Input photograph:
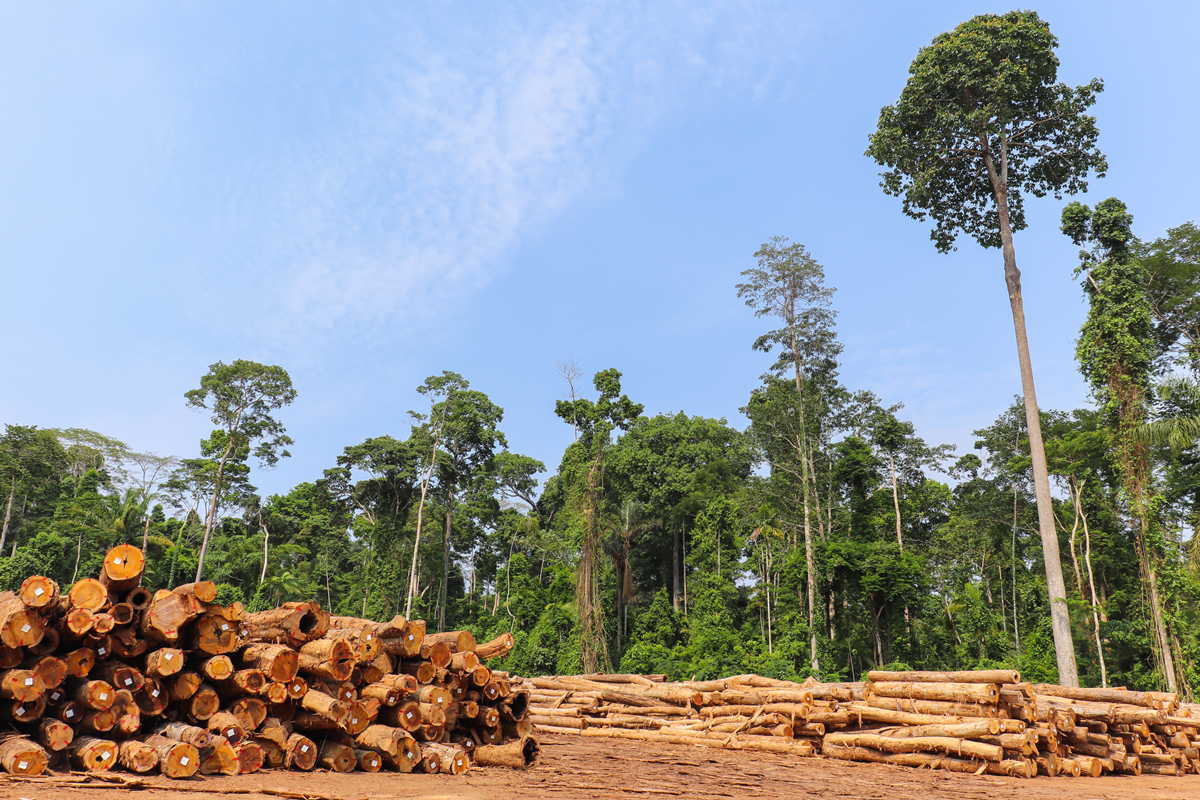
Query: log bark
{"type": "Point", "coordinates": [495, 648]}
{"type": "Point", "coordinates": [175, 759]}
{"type": "Point", "coordinates": [137, 756]}
{"type": "Point", "coordinates": [984, 693]}
{"type": "Point", "coordinates": [998, 676]}
{"type": "Point", "coordinates": [301, 752]}
{"type": "Point", "coordinates": [337, 757]}
{"type": "Point", "coordinates": [520, 754]}
{"type": "Point", "coordinates": [19, 756]}
{"type": "Point", "coordinates": [278, 661]}
{"type": "Point", "coordinates": [55, 734]}
{"type": "Point", "coordinates": [218, 758]}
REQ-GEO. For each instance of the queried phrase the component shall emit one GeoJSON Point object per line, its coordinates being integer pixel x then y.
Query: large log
{"type": "Point", "coordinates": [1020, 769]}
{"type": "Point", "coordinates": [122, 568]}
{"type": "Point", "coordinates": [92, 754]}
{"type": "Point", "coordinates": [301, 752]}
{"type": "Point", "coordinates": [175, 759]}
{"type": "Point", "coordinates": [218, 758]}
{"type": "Point", "coordinates": [278, 661]}
{"type": "Point", "coordinates": [215, 631]}
{"type": "Point", "coordinates": [189, 734]}
{"type": "Point", "coordinates": [24, 685]}
{"type": "Point", "coordinates": [19, 756]}
{"type": "Point", "coordinates": [337, 757]}
{"type": "Point", "coordinates": [54, 734]}
{"type": "Point", "coordinates": [998, 676]}
{"type": "Point", "coordinates": [164, 662]}
{"type": "Point", "coordinates": [38, 591]}
{"type": "Point", "coordinates": [20, 626]}
{"type": "Point", "coordinates": [291, 623]}
{"type": "Point", "coordinates": [918, 744]}
{"type": "Point", "coordinates": [940, 707]}
{"type": "Point", "coordinates": [250, 757]}
{"type": "Point", "coordinates": [495, 648]}
{"type": "Point", "coordinates": [88, 594]}
{"type": "Point", "coordinates": [519, 754]}
{"type": "Point", "coordinates": [137, 756]}
{"type": "Point", "coordinates": [954, 692]}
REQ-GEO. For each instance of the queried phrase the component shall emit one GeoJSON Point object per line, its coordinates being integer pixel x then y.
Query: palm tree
{"type": "Point", "coordinates": [1180, 429]}
{"type": "Point", "coordinates": [631, 520]}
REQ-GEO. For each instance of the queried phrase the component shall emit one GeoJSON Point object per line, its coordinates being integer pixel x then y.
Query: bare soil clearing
{"type": "Point", "coordinates": [571, 768]}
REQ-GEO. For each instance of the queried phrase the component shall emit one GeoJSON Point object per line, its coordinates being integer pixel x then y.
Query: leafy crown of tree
{"type": "Point", "coordinates": [986, 93]}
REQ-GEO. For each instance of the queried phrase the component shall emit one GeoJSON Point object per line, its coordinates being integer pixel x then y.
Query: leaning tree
{"type": "Point", "coordinates": [982, 120]}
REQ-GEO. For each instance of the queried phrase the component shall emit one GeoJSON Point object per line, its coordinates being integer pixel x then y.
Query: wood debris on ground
{"type": "Point", "coordinates": [982, 721]}
{"type": "Point", "coordinates": [110, 675]}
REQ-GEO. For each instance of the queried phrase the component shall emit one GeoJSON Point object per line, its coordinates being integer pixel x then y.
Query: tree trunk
{"type": "Point", "coordinates": [676, 572]}
{"type": "Point", "coordinates": [212, 509]}
{"type": "Point", "coordinates": [12, 493]}
{"type": "Point", "coordinates": [412, 574]}
{"type": "Point", "coordinates": [446, 560]}
{"type": "Point", "coordinates": [1087, 558]}
{"type": "Point", "coordinates": [1064, 647]}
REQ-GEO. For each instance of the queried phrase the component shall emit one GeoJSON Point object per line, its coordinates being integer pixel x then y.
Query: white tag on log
{"type": "Point", "coordinates": [154, 693]}
{"type": "Point", "coordinates": [303, 748]}
{"type": "Point", "coordinates": [103, 695]}
{"type": "Point", "coordinates": [29, 681]}
{"type": "Point", "coordinates": [128, 681]}
{"type": "Point", "coordinates": [38, 592]}
{"type": "Point", "coordinates": [25, 628]}
{"type": "Point", "coordinates": [101, 651]}
{"type": "Point", "coordinates": [70, 713]}
{"type": "Point", "coordinates": [104, 756]}
{"type": "Point", "coordinates": [184, 761]}
{"type": "Point", "coordinates": [117, 561]}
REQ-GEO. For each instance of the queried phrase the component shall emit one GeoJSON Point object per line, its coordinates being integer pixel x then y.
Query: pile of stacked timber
{"type": "Point", "coordinates": [978, 721]}
{"type": "Point", "coordinates": [111, 675]}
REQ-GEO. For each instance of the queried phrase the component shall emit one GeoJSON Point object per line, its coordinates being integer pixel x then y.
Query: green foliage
{"type": "Point", "coordinates": [982, 114]}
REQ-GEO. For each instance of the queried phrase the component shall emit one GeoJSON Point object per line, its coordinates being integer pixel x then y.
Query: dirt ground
{"type": "Point", "coordinates": [572, 767]}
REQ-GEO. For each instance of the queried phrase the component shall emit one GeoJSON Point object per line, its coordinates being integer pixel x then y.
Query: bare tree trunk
{"type": "Point", "coordinates": [1074, 530]}
{"type": "Point", "coordinates": [446, 560]}
{"type": "Point", "coordinates": [12, 493]}
{"type": "Point", "coordinates": [676, 571]}
{"type": "Point", "coordinates": [1087, 558]}
{"type": "Point", "coordinates": [266, 549]}
{"type": "Point", "coordinates": [1064, 648]}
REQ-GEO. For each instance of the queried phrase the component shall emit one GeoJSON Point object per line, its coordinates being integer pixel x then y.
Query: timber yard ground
{"type": "Point", "coordinates": [572, 767]}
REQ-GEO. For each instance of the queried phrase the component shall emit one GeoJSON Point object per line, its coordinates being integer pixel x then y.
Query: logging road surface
{"type": "Point", "coordinates": [574, 768]}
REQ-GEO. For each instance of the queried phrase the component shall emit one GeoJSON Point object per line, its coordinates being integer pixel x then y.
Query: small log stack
{"type": "Point", "coordinates": [984, 721]}
{"type": "Point", "coordinates": [109, 675]}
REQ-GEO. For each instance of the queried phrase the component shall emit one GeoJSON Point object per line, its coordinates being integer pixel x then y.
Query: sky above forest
{"type": "Point", "coordinates": [368, 194]}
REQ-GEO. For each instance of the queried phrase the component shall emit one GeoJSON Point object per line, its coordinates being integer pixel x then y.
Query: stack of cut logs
{"type": "Point", "coordinates": [110, 674]}
{"type": "Point", "coordinates": [985, 721]}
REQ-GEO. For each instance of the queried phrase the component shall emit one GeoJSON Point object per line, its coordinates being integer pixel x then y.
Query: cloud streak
{"type": "Point", "coordinates": [468, 136]}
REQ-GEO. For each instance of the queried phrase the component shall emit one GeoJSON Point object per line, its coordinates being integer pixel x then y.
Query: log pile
{"type": "Point", "coordinates": [110, 675]}
{"type": "Point", "coordinates": [986, 721]}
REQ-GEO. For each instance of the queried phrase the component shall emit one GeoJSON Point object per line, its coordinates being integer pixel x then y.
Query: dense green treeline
{"type": "Point", "coordinates": [822, 535]}
{"type": "Point", "coordinates": [678, 544]}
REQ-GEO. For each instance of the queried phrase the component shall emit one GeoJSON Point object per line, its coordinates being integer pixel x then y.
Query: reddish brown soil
{"type": "Point", "coordinates": [572, 768]}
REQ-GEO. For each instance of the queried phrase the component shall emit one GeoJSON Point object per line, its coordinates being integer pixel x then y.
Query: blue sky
{"type": "Point", "coordinates": [368, 194]}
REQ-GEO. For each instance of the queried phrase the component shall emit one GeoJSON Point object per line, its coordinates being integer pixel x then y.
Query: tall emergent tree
{"type": "Point", "coordinates": [242, 396]}
{"type": "Point", "coordinates": [789, 284]}
{"type": "Point", "coordinates": [982, 120]}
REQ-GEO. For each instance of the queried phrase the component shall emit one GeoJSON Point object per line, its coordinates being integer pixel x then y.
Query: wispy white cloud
{"type": "Point", "coordinates": [471, 133]}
